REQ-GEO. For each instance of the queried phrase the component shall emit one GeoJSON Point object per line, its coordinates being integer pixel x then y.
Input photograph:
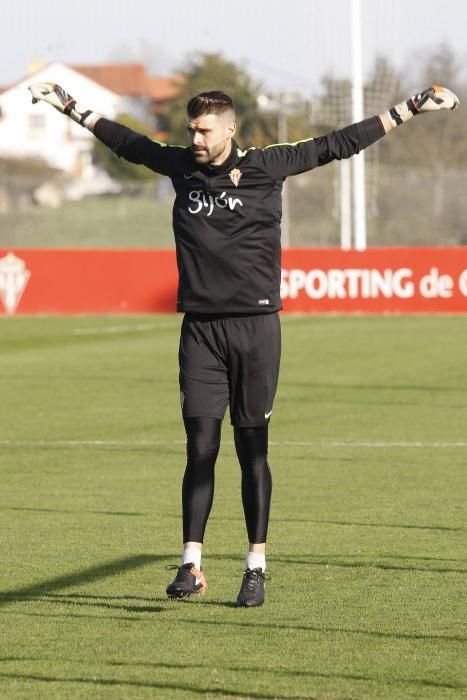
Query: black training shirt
{"type": "Point", "coordinates": [226, 218]}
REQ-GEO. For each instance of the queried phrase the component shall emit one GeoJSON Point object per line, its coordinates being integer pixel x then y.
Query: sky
{"type": "Point", "coordinates": [285, 44]}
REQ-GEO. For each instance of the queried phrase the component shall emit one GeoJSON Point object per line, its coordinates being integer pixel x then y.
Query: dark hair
{"type": "Point", "coordinates": [214, 102]}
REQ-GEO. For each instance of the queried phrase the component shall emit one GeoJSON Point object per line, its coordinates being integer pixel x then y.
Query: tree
{"type": "Point", "coordinates": [441, 67]}
{"type": "Point", "coordinates": [438, 140]}
{"type": "Point", "coordinates": [211, 71]}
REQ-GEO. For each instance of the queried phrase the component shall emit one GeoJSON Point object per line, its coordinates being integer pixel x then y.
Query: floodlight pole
{"type": "Point", "coordinates": [345, 189]}
{"type": "Point", "coordinates": [358, 161]}
{"type": "Point", "coordinates": [277, 102]}
{"type": "Point", "coordinates": [282, 134]}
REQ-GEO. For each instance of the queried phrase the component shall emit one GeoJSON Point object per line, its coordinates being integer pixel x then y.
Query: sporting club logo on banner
{"type": "Point", "coordinates": [14, 277]}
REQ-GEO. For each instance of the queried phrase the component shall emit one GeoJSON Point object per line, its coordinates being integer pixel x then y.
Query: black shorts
{"type": "Point", "coordinates": [230, 361]}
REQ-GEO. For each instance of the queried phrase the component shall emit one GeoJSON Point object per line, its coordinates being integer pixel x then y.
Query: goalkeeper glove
{"type": "Point", "coordinates": [61, 100]}
{"type": "Point", "coordinates": [432, 99]}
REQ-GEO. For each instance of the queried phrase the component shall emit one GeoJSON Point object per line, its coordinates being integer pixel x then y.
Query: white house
{"type": "Point", "coordinates": [39, 131]}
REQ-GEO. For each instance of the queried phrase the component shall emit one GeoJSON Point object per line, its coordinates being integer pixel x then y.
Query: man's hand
{"type": "Point", "coordinates": [53, 94]}
{"type": "Point", "coordinates": [63, 102]}
{"type": "Point", "coordinates": [433, 99]}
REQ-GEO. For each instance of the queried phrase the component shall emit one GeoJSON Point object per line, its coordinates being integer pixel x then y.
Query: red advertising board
{"type": "Point", "coordinates": [87, 281]}
{"type": "Point", "coordinates": [379, 280]}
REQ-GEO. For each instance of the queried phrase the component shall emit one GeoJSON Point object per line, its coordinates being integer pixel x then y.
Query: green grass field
{"type": "Point", "coordinates": [94, 222]}
{"type": "Point", "coordinates": [368, 453]}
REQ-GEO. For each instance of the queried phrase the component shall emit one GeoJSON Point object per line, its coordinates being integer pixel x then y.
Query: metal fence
{"type": "Point", "coordinates": [405, 206]}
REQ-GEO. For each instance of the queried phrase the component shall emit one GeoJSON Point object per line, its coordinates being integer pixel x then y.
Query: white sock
{"type": "Point", "coordinates": [192, 555]}
{"type": "Point", "coordinates": [254, 560]}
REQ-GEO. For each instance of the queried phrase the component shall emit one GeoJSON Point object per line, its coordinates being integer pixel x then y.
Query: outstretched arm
{"type": "Point", "coordinates": [282, 160]}
{"type": "Point", "coordinates": [64, 103]}
{"type": "Point", "coordinates": [124, 142]}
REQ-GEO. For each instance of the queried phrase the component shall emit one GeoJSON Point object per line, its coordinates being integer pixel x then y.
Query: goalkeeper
{"type": "Point", "coordinates": [226, 221]}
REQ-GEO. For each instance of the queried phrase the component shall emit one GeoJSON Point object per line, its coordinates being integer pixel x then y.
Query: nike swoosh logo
{"type": "Point", "coordinates": [187, 177]}
{"type": "Point", "coordinates": [266, 415]}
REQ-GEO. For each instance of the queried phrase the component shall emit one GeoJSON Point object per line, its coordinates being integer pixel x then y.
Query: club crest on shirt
{"type": "Point", "coordinates": [235, 176]}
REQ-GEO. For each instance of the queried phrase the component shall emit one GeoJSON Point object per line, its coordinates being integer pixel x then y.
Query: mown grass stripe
{"type": "Point", "coordinates": [276, 443]}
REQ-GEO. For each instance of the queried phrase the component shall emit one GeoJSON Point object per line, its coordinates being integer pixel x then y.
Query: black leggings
{"type": "Point", "coordinates": [203, 442]}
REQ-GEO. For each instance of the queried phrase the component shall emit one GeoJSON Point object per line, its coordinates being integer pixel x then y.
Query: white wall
{"type": "Point", "coordinates": [39, 131]}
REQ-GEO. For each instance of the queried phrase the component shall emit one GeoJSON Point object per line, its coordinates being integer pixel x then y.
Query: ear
{"type": "Point", "coordinates": [231, 129]}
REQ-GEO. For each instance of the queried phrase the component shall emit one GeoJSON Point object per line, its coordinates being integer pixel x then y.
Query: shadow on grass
{"type": "Point", "coordinates": [254, 670]}
{"type": "Point", "coordinates": [81, 616]}
{"type": "Point", "coordinates": [76, 600]}
{"type": "Point", "coordinates": [93, 596]}
{"type": "Point", "coordinates": [331, 561]}
{"type": "Point", "coordinates": [62, 510]}
{"type": "Point", "coordinates": [392, 388]}
{"type": "Point", "coordinates": [89, 575]}
{"type": "Point", "coordinates": [301, 673]}
{"type": "Point", "coordinates": [187, 687]}
{"type": "Point", "coordinates": [336, 560]}
{"type": "Point", "coordinates": [256, 625]}
{"type": "Point", "coordinates": [63, 600]}
{"type": "Point", "coordinates": [346, 523]}
{"type": "Point", "coordinates": [360, 524]}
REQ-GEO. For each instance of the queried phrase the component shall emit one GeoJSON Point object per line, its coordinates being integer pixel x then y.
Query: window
{"type": "Point", "coordinates": [36, 122]}
{"type": "Point", "coordinates": [36, 126]}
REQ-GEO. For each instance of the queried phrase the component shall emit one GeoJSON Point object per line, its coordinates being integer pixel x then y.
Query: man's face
{"type": "Point", "coordinates": [210, 137]}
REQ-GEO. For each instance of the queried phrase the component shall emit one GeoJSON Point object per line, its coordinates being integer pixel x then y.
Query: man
{"type": "Point", "coordinates": [226, 221]}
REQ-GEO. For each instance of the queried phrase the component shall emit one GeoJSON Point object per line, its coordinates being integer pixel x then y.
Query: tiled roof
{"type": "Point", "coordinates": [129, 79]}
{"type": "Point", "coordinates": [164, 88]}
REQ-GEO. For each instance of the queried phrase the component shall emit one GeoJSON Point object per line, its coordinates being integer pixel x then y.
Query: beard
{"type": "Point", "coordinates": [204, 156]}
